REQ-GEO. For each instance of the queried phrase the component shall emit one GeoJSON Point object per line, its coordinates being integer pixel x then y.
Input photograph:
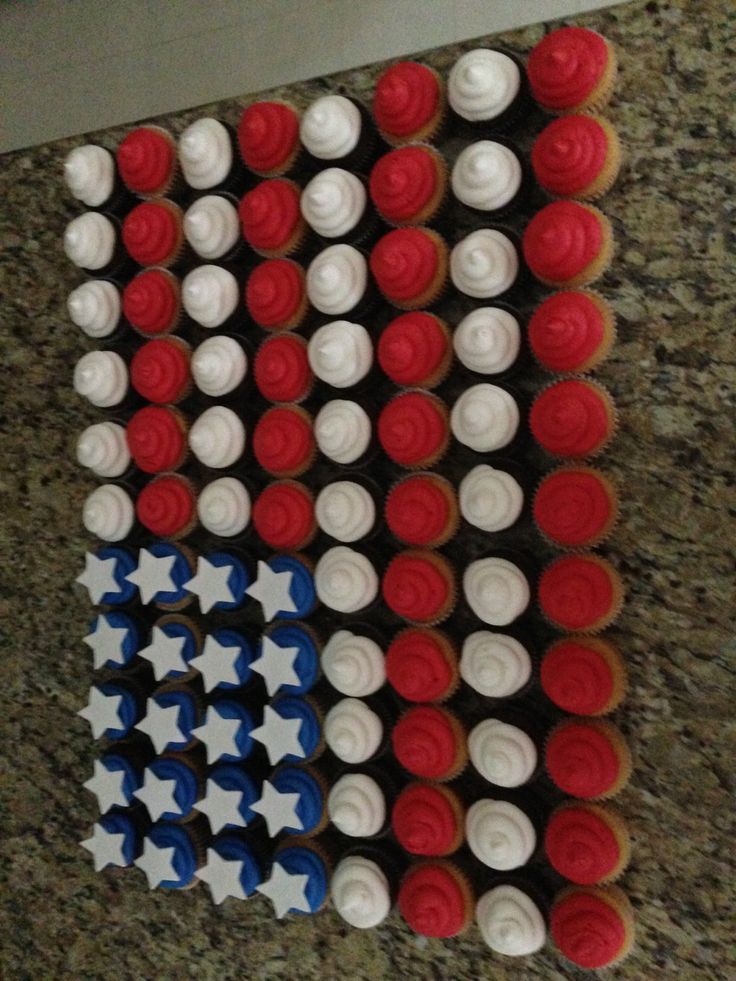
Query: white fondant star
{"type": "Point", "coordinates": [157, 863]}
{"type": "Point", "coordinates": [221, 806]}
{"type": "Point", "coordinates": [216, 663]}
{"type": "Point", "coordinates": [222, 875]}
{"type": "Point", "coordinates": [106, 642]}
{"type": "Point", "coordinates": [210, 584]}
{"type": "Point", "coordinates": [273, 591]}
{"type": "Point", "coordinates": [165, 653]}
{"type": "Point", "coordinates": [106, 847]}
{"type": "Point", "coordinates": [276, 664]}
{"type": "Point", "coordinates": [158, 795]}
{"type": "Point", "coordinates": [98, 577]}
{"type": "Point", "coordinates": [107, 786]}
{"type": "Point", "coordinates": [153, 574]}
{"type": "Point", "coordinates": [161, 724]}
{"type": "Point", "coordinates": [286, 891]}
{"type": "Point", "coordinates": [219, 735]}
{"type": "Point", "coordinates": [279, 810]}
{"type": "Point", "coordinates": [102, 711]}
{"type": "Point", "coordinates": [280, 736]}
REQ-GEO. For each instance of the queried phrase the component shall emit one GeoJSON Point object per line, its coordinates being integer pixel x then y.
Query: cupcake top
{"type": "Point", "coordinates": [283, 514]}
{"type": "Point", "coordinates": [284, 587]}
{"type": "Point", "coordinates": [562, 240]}
{"type": "Point", "coordinates": [147, 160]}
{"type": "Point", "coordinates": [166, 506]}
{"type": "Point", "coordinates": [231, 869]}
{"type": "Point", "coordinates": [220, 583]}
{"type": "Point", "coordinates": [580, 592]}
{"type": "Point", "coordinates": [114, 841]}
{"type": "Point", "coordinates": [413, 428]}
{"type": "Point", "coordinates": [169, 857]}
{"type": "Point", "coordinates": [434, 900]}
{"type": "Point", "coordinates": [151, 301]}
{"type": "Point", "coordinates": [414, 349]}
{"type": "Point", "coordinates": [510, 922]}
{"type": "Point", "coordinates": [173, 644]}
{"type": "Point", "coordinates": [570, 153]}
{"type": "Point", "coordinates": [581, 842]}
{"type": "Point", "coordinates": [281, 369]}
{"type": "Point", "coordinates": [298, 881]}
{"type": "Point", "coordinates": [300, 786]}
{"type": "Point", "coordinates": [419, 509]}
{"type": "Point", "coordinates": [89, 172]}
{"type": "Point", "coordinates": [356, 805]}
{"type": "Point", "coordinates": [333, 202]}
{"type": "Point", "coordinates": [426, 820]}
{"type": "Point", "coordinates": [89, 240]}
{"type": "Point", "coordinates": [486, 176]}
{"type": "Point", "coordinates": [268, 136]}
{"type": "Point", "coordinates": [288, 659]}
{"type": "Point", "coordinates": [584, 757]}
{"type": "Point", "coordinates": [483, 84]}
{"type": "Point", "coordinates": [568, 329]}
{"type": "Point", "coordinates": [275, 293]}
{"type": "Point", "coordinates": [490, 499]}
{"type": "Point", "coordinates": [170, 718]}
{"type": "Point", "coordinates": [353, 664]}
{"type": "Point", "coordinates": [566, 66]}
{"type": "Point", "coordinates": [159, 371]}
{"type": "Point", "coordinates": [496, 590]}
{"type": "Point", "coordinates": [331, 127]}
{"type": "Point", "coordinates": [360, 892]}
{"type": "Point", "coordinates": [426, 742]}
{"type": "Point", "coordinates": [406, 262]}
{"type": "Point", "coordinates": [270, 216]}
{"type": "Point", "coordinates": [353, 731]}
{"type": "Point", "coordinates": [225, 661]}
{"type": "Point", "coordinates": [336, 279]}
{"type": "Point", "coordinates": [283, 441]}
{"type": "Point", "coordinates": [484, 264]}
{"type": "Point", "coordinates": [108, 513]}
{"type": "Point", "coordinates": [419, 586]}
{"type": "Point", "coordinates": [156, 439]}
{"type": "Point", "coordinates": [104, 575]}
{"type": "Point", "coordinates": [114, 641]}
{"type": "Point", "coordinates": [407, 185]}
{"type": "Point", "coordinates": [229, 795]}
{"type": "Point", "coordinates": [218, 365]}
{"type": "Point", "coordinates": [407, 101]}
{"type": "Point", "coordinates": [572, 418]}
{"type": "Point", "coordinates": [113, 782]}
{"type": "Point", "coordinates": [205, 153]}
{"type": "Point", "coordinates": [420, 665]}
{"type": "Point", "coordinates": [212, 226]}
{"type": "Point", "coordinates": [291, 730]}
{"type": "Point", "coordinates": [575, 506]}
{"type": "Point", "coordinates": [345, 580]}
{"type": "Point", "coordinates": [591, 926]}
{"type": "Point", "coordinates": [495, 665]}
{"type": "Point", "coordinates": [499, 834]}
{"type": "Point", "coordinates": [111, 710]}
{"type": "Point", "coordinates": [341, 353]}
{"type": "Point", "coordinates": [102, 378]}
{"type": "Point", "coordinates": [160, 575]}
{"type": "Point", "coordinates": [103, 448]}
{"type": "Point", "coordinates": [95, 307]}
{"type": "Point", "coordinates": [226, 731]}
{"type": "Point", "coordinates": [502, 753]}
{"type": "Point", "coordinates": [169, 790]}
{"type": "Point", "coordinates": [342, 430]}
{"type": "Point", "coordinates": [488, 340]}
{"type": "Point", "coordinates": [152, 232]}
{"type": "Point", "coordinates": [210, 295]}
{"type": "Point", "coordinates": [576, 675]}
{"type": "Point", "coordinates": [345, 510]}
{"type": "Point", "coordinates": [224, 507]}
{"type": "Point", "coordinates": [217, 437]}
{"type": "Point", "coordinates": [485, 418]}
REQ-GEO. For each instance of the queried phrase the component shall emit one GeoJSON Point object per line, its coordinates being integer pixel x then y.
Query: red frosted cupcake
{"type": "Point", "coordinates": [575, 507]}
{"type": "Point", "coordinates": [423, 510]}
{"type": "Point", "coordinates": [414, 429]}
{"type": "Point", "coordinates": [572, 69]}
{"type": "Point", "coordinates": [268, 137]}
{"type": "Point", "coordinates": [271, 219]}
{"type": "Point", "coordinates": [283, 515]}
{"type": "Point", "coordinates": [408, 186]}
{"type": "Point", "coordinates": [419, 586]}
{"type": "Point", "coordinates": [415, 349]}
{"type": "Point", "coordinates": [436, 900]}
{"type": "Point", "coordinates": [153, 233]}
{"type": "Point", "coordinates": [283, 441]}
{"type": "Point", "coordinates": [410, 267]}
{"type": "Point", "coordinates": [430, 742]}
{"type": "Point", "coordinates": [276, 294]}
{"type": "Point", "coordinates": [587, 758]}
{"type": "Point", "coordinates": [584, 675]}
{"type": "Point", "coordinates": [580, 593]}
{"type": "Point", "coordinates": [167, 506]}
{"type": "Point", "coordinates": [409, 103]}
{"type": "Point", "coordinates": [592, 926]}
{"type": "Point", "coordinates": [577, 157]}
{"type": "Point", "coordinates": [159, 371]}
{"type": "Point", "coordinates": [568, 244]}
{"type": "Point", "coordinates": [574, 418]}
{"type": "Point", "coordinates": [281, 369]}
{"type": "Point", "coordinates": [428, 819]}
{"type": "Point", "coordinates": [157, 439]}
{"type": "Point", "coordinates": [147, 161]}
{"type": "Point", "coordinates": [421, 665]}
{"type": "Point", "coordinates": [152, 302]}
{"type": "Point", "coordinates": [572, 331]}
{"type": "Point", "coordinates": [587, 843]}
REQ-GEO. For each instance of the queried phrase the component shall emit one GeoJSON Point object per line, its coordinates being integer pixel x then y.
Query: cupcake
{"type": "Point", "coordinates": [410, 267]}
{"type": "Point", "coordinates": [115, 841]}
{"type": "Point", "coordinates": [221, 582]}
{"type": "Point", "coordinates": [335, 206]}
{"type": "Point", "coordinates": [340, 353]}
{"type": "Point", "coordinates": [172, 855]}
{"type": "Point", "coordinates": [345, 510]}
{"type": "Point", "coordinates": [337, 131]}
{"type": "Point", "coordinates": [112, 709]}
{"type": "Point", "coordinates": [568, 244]}
{"type": "Point", "coordinates": [592, 926]}
{"type": "Point", "coordinates": [413, 429]}
{"type": "Point", "coordinates": [171, 787]}
{"type": "Point", "coordinates": [157, 438]}
{"type": "Point", "coordinates": [361, 892]}
{"type": "Point", "coordinates": [232, 869]}
{"type": "Point", "coordinates": [212, 227]}
{"type": "Point", "coordinates": [353, 664]}
{"type": "Point", "coordinates": [226, 661]}
{"type": "Point", "coordinates": [103, 449]}
{"type": "Point", "coordinates": [495, 665]}
{"type": "Point", "coordinates": [153, 233]}
{"type": "Point", "coordinates": [485, 418]}
{"type": "Point", "coordinates": [504, 754]}
{"type": "Point", "coordinates": [299, 879]}
{"type": "Point", "coordinates": [152, 302]}
{"type": "Point", "coordinates": [285, 588]}
{"type": "Point", "coordinates": [147, 161]}
{"type": "Point", "coordinates": [342, 430]}
{"type": "Point", "coordinates": [580, 593]}
{"type": "Point", "coordinates": [575, 507]}
{"type": "Point", "coordinates": [102, 378]}
{"type": "Point", "coordinates": [409, 103]}
{"type": "Point", "coordinates": [105, 576]}
{"type": "Point", "coordinates": [572, 331]}
{"type": "Point", "coordinates": [496, 590]}
{"type": "Point", "coordinates": [210, 295]}
{"type": "Point", "coordinates": [574, 418]}
{"type": "Point", "coordinates": [229, 798]}
{"type": "Point", "coordinates": [288, 659]}
{"type": "Point", "coordinates": [428, 819]}
{"type": "Point", "coordinates": [91, 242]}
{"type": "Point", "coordinates": [572, 69]}
{"type": "Point", "coordinates": [283, 515]}
{"type": "Point", "coordinates": [435, 899]}
{"type": "Point", "coordinates": [171, 715]}
{"type": "Point", "coordinates": [488, 177]}
{"type": "Point", "coordinates": [587, 843]}
{"type": "Point", "coordinates": [415, 350]}
{"type": "Point", "coordinates": [161, 575]}
{"type": "Point", "coordinates": [430, 742]}
{"type": "Point", "coordinates": [510, 921]}
{"type": "Point", "coordinates": [159, 371]}
{"type": "Point", "coordinates": [419, 586]}
{"type": "Point", "coordinates": [486, 88]}
{"type": "Point", "coordinates": [224, 507]}
{"type": "Point", "coordinates": [291, 730]}
{"type": "Point", "coordinates": [217, 437]}
{"type": "Point", "coordinates": [577, 157]}
{"type": "Point", "coordinates": [114, 639]}
{"type": "Point", "coordinates": [218, 366]}
{"type": "Point", "coordinates": [108, 513]}
{"type": "Point", "coordinates": [95, 308]}
{"type": "Point", "coordinates": [490, 498]}
{"type": "Point", "coordinates": [357, 806]}
{"type": "Point", "coordinates": [588, 758]}
{"type": "Point", "coordinates": [337, 281]}
{"type": "Point", "coordinates": [422, 510]}
{"type": "Point", "coordinates": [268, 137]}
{"type": "Point", "coordinates": [91, 176]}
{"type": "Point", "coordinates": [345, 580]}
{"type": "Point", "coordinates": [173, 643]}
{"type": "Point", "coordinates": [271, 220]}
{"type": "Point", "coordinates": [484, 264]}
{"type": "Point", "coordinates": [115, 780]}
{"type": "Point", "coordinates": [308, 814]}
{"type": "Point", "coordinates": [421, 665]}
{"type": "Point", "coordinates": [488, 340]}
{"type": "Point", "coordinates": [283, 441]}
{"type": "Point", "coordinates": [353, 731]}
{"type": "Point", "coordinates": [206, 154]}
{"type": "Point", "coordinates": [276, 294]}
{"type": "Point", "coordinates": [584, 676]}
{"type": "Point", "coordinates": [500, 834]}
{"type": "Point", "coordinates": [408, 186]}
{"type": "Point", "coordinates": [167, 506]}
{"type": "Point", "coordinates": [226, 731]}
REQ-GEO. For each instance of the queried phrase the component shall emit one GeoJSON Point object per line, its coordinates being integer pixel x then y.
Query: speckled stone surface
{"type": "Point", "coordinates": [672, 374]}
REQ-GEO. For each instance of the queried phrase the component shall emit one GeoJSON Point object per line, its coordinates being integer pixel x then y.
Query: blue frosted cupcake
{"type": "Point", "coordinates": [310, 730]}
{"type": "Point", "coordinates": [232, 869]}
{"type": "Point", "coordinates": [171, 730]}
{"type": "Point", "coordinates": [113, 708]}
{"type": "Point", "coordinates": [228, 798]}
{"type": "Point", "coordinates": [220, 581]}
{"type": "Point", "coordinates": [301, 592]}
{"type": "Point", "coordinates": [174, 642]}
{"type": "Point", "coordinates": [171, 787]}
{"type": "Point", "coordinates": [284, 886]}
{"type": "Point", "coordinates": [311, 808]}
{"type": "Point", "coordinates": [114, 639]}
{"type": "Point", "coordinates": [171, 856]}
{"type": "Point", "coordinates": [105, 576]}
{"type": "Point", "coordinates": [288, 659]}
{"type": "Point", "coordinates": [115, 841]}
{"type": "Point", "coordinates": [226, 731]}
{"type": "Point", "coordinates": [162, 571]}
{"type": "Point", "coordinates": [114, 781]}
{"type": "Point", "coordinates": [225, 661]}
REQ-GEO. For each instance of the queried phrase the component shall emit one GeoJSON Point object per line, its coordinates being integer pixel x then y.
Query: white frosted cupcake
{"type": "Point", "coordinates": [340, 353]}
{"type": "Point", "coordinates": [345, 580]}
{"type": "Point", "coordinates": [353, 731]}
{"type": "Point", "coordinates": [484, 264]}
{"type": "Point", "coordinates": [487, 177]}
{"type": "Point", "coordinates": [357, 806]}
{"type": "Point", "coordinates": [496, 590]}
{"type": "Point", "coordinates": [510, 922]}
{"type": "Point", "coordinates": [360, 891]}
{"type": "Point", "coordinates": [108, 513]}
{"type": "Point", "coordinates": [502, 753]}
{"type": "Point", "coordinates": [95, 307]}
{"type": "Point", "coordinates": [337, 280]}
{"type": "Point", "coordinates": [206, 154]}
{"type": "Point", "coordinates": [485, 418]}
{"type": "Point", "coordinates": [483, 86]}
{"type": "Point", "coordinates": [495, 665]}
{"type": "Point", "coordinates": [102, 378]}
{"type": "Point", "coordinates": [212, 227]}
{"type": "Point", "coordinates": [342, 430]}
{"type": "Point", "coordinates": [500, 834]}
{"type": "Point", "coordinates": [488, 340]}
{"type": "Point", "coordinates": [90, 241]}
{"type": "Point", "coordinates": [103, 448]}
{"type": "Point", "coordinates": [224, 508]}
{"type": "Point", "coordinates": [217, 437]}
{"type": "Point", "coordinates": [219, 365]}
{"type": "Point", "coordinates": [334, 203]}
{"type": "Point", "coordinates": [89, 172]}
{"type": "Point", "coordinates": [345, 510]}
{"type": "Point", "coordinates": [490, 499]}
{"type": "Point", "coordinates": [210, 295]}
{"type": "Point", "coordinates": [332, 129]}
{"type": "Point", "coordinates": [353, 664]}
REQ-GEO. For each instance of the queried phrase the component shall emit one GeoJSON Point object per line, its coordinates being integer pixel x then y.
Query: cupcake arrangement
{"type": "Point", "coordinates": [329, 665]}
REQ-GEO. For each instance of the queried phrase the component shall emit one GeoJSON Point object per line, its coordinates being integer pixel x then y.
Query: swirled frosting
{"type": "Point", "coordinates": [353, 731]}
{"type": "Point", "coordinates": [582, 676]}
{"type": "Point", "coordinates": [345, 580]}
{"type": "Point", "coordinates": [408, 98]}
{"type": "Point", "coordinates": [331, 127]}
{"type": "Point", "coordinates": [572, 418]}
{"type": "Point", "coordinates": [490, 499]}
{"type": "Point", "coordinates": [108, 513]}
{"type": "Point", "coordinates": [579, 592]}
{"type": "Point", "coordinates": [159, 371]}
{"type": "Point", "coordinates": [356, 805]}
{"type": "Point", "coordinates": [283, 441]}
{"type": "Point", "coordinates": [205, 153]}
{"type": "Point", "coordinates": [156, 438]}
{"type": "Point", "coordinates": [409, 266]}
{"type": "Point", "coordinates": [582, 843]}
{"type": "Point", "coordinates": [488, 340]}
{"type": "Point", "coordinates": [275, 293]}
{"type": "Point", "coordinates": [575, 507]}
{"type": "Point", "coordinates": [212, 226]}
{"type": "Point", "coordinates": [499, 834]}
{"type": "Point", "coordinates": [217, 437]}
{"type": "Point", "coordinates": [486, 176]}
{"type": "Point", "coordinates": [151, 301]}
{"type": "Point", "coordinates": [568, 330]}
{"type": "Point", "coordinates": [360, 892]}
{"type": "Point", "coordinates": [147, 159]}
{"type": "Point", "coordinates": [165, 506]}
{"type": "Point", "coordinates": [268, 135]}
{"type": "Point", "coordinates": [281, 369]}
{"type": "Point", "coordinates": [419, 586]}
{"type": "Point", "coordinates": [283, 515]}
{"type": "Point", "coordinates": [510, 922]}
{"type": "Point", "coordinates": [566, 66]}
{"type": "Point", "coordinates": [504, 754]}
{"type": "Point", "coordinates": [570, 153]}
{"type": "Point", "coordinates": [340, 353]}
{"type": "Point", "coordinates": [420, 509]}
{"type": "Point", "coordinates": [591, 926]}
{"type": "Point", "coordinates": [101, 377]}
{"type": "Point", "coordinates": [270, 217]}
{"type": "Point", "coordinates": [434, 900]}
{"type": "Point", "coordinates": [484, 264]}
{"type": "Point", "coordinates": [210, 295]}
{"type": "Point", "coordinates": [342, 430]}
{"type": "Point", "coordinates": [495, 665]}
{"type": "Point", "coordinates": [345, 510]}
{"type": "Point", "coordinates": [496, 590]}
{"type": "Point", "coordinates": [89, 240]}
{"type": "Point", "coordinates": [89, 172]}
{"type": "Point", "coordinates": [562, 240]}
{"type": "Point", "coordinates": [218, 365]}
{"type": "Point", "coordinates": [337, 279]}
{"type": "Point", "coordinates": [427, 819]}
{"type": "Point", "coordinates": [485, 418]}
{"type": "Point", "coordinates": [414, 349]}
{"type": "Point", "coordinates": [353, 664]}
{"type": "Point", "coordinates": [585, 757]}
{"type": "Point", "coordinates": [413, 428]}
{"type": "Point", "coordinates": [429, 742]}
{"type": "Point", "coordinates": [482, 84]}
{"type": "Point", "coordinates": [333, 202]}
{"type": "Point", "coordinates": [224, 507]}
{"type": "Point", "coordinates": [407, 185]}
{"type": "Point", "coordinates": [152, 232]}
{"type": "Point", "coordinates": [95, 307]}
{"type": "Point", "coordinates": [102, 448]}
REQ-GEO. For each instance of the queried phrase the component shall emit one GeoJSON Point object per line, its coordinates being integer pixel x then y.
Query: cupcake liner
{"type": "Point", "coordinates": [615, 822]}
{"type": "Point", "coordinates": [613, 497]}
{"type": "Point", "coordinates": [615, 737]}
{"type": "Point", "coordinates": [611, 168]}
{"type": "Point", "coordinates": [295, 163]}
{"type": "Point", "coordinates": [175, 185]}
{"type": "Point", "coordinates": [600, 96]}
{"type": "Point", "coordinates": [598, 266]}
{"type": "Point", "coordinates": [193, 522]}
{"type": "Point", "coordinates": [181, 251]}
{"type": "Point", "coordinates": [309, 459]}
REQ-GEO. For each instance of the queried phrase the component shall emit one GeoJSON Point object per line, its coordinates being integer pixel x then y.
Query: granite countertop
{"type": "Point", "coordinates": [672, 374]}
